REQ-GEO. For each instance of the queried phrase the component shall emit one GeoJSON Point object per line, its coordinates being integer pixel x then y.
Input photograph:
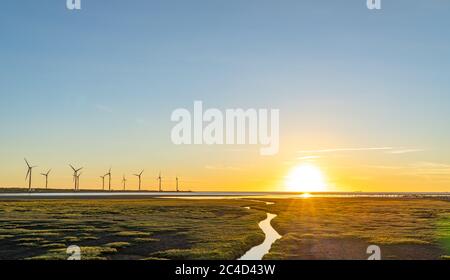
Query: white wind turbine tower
{"type": "Point", "coordinates": [109, 177]}
{"type": "Point", "coordinates": [75, 176]}
{"type": "Point", "coordinates": [103, 181]}
{"type": "Point", "coordinates": [46, 178]}
{"type": "Point", "coordinates": [124, 181]}
{"type": "Point", "coordinates": [28, 176]}
{"type": "Point", "coordinates": [139, 176]}
{"type": "Point", "coordinates": [159, 179]}
{"type": "Point", "coordinates": [78, 180]}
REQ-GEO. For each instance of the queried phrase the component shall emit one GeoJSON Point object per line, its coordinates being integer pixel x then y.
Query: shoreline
{"type": "Point", "coordinates": [99, 194]}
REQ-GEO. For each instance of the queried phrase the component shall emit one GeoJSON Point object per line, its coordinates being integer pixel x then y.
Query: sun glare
{"type": "Point", "coordinates": [306, 178]}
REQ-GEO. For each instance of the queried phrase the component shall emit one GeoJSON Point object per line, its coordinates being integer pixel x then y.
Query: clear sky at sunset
{"type": "Point", "coordinates": [364, 95]}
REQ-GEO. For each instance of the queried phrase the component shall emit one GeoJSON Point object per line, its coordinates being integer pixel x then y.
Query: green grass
{"type": "Point", "coordinates": [155, 229]}
{"type": "Point", "coordinates": [335, 228]}
{"type": "Point", "coordinates": [117, 245]}
{"type": "Point", "coordinates": [128, 229]}
{"type": "Point", "coordinates": [87, 253]}
{"type": "Point", "coordinates": [132, 233]}
{"type": "Point", "coordinates": [443, 226]}
{"type": "Point", "coordinates": [146, 239]}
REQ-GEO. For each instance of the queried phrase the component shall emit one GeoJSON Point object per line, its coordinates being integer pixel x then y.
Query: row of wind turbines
{"type": "Point", "coordinates": [77, 173]}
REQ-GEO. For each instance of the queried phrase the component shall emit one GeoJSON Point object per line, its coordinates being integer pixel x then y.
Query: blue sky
{"type": "Point", "coordinates": [97, 86]}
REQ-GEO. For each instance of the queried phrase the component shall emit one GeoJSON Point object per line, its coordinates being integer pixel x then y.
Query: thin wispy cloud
{"type": "Point", "coordinates": [390, 150]}
{"type": "Point", "coordinates": [385, 166]}
{"type": "Point", "coordinates": [346, 150]}
{"type": "Point", "coordinates": [418, 169]}
{"type": "Point", "coordinates": [238, 150]}
{"type": "Point", "coordinates": [432, 164]}
{"type": "Point", "coordinates": [431, 168]}
{"type": "Point", "coordinates": [308, 157]}
{"type": "Point", "coordinates": [406, 151]}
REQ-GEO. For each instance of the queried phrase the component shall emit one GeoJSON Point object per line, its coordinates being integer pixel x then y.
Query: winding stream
{"type": "Point", "coordinates": [258, 252]}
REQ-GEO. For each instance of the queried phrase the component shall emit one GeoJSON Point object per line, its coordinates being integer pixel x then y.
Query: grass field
{"type": "Point", "coordinates": [343, 228]}
{"type": "Point", "coordinates": [313, 228]}
{"type": "Point", "coordinates": [128, 229]}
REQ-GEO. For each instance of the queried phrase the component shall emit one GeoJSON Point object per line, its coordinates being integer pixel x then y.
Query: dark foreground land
{"type": "Point", "coordinates": [312, 228]}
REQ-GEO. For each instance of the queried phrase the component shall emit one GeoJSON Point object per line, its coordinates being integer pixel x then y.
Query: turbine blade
{"type": "Point", "coordinates": [28, 173]}
{"type": "Point", "coordinates": [27, 162]}
{"type": "Point", "coordinates": [72, 167]}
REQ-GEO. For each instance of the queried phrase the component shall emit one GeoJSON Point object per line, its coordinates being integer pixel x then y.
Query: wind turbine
{"type": "Point", "coordinates": [75, 176]}
{"type": "Point", "coordinates": [160, 178]}
{"type": "Point", "coordinates": [103, 181]}
{"type": "Point", "coordinates": [28, 176]}
{"type": "Point", "coordinates": [78, 180]}
{"type": "Point", "coordinates": [139, 176]}
{"type": "Point", "coordinates": [46, 178]}
{"type": "Point", "coordinates": [109, 176]}
{"type": "Point", "coordinates": [124, 181]}
{"type": "Point", "coordinates": [177, 184]}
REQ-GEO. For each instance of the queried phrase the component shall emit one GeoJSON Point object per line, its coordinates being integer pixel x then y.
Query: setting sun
{"type": "Point", "coordinates": [306, 178]}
